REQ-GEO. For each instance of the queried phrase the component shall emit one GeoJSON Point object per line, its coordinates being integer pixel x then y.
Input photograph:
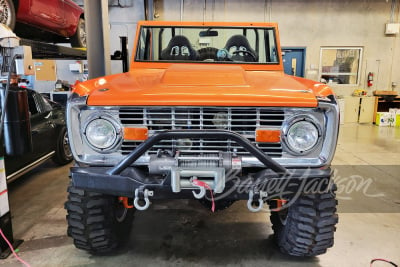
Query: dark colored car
{"type": "Point", "coordinates": [49, 137]}
{"type": "Point", "coordinates": [53, 21]}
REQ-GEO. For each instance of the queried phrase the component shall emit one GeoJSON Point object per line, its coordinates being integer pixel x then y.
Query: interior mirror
{"type": "Point", "coordinates": [208, 33]}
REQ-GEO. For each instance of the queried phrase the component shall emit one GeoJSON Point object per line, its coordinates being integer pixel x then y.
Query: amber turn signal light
{"type": "Point", "coordinates": [135, 134]}
{"type": "Point", "coordinates": [268, 136]}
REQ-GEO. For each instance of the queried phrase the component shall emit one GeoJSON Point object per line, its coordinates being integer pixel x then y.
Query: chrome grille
{"type": "Point", "coordinates": [241, 120]}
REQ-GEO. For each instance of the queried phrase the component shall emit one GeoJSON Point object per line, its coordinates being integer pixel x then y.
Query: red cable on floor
{"type": "Point", "coordinates": [205, 185]}
{"type": "Point", "coordinates": [12, 249]}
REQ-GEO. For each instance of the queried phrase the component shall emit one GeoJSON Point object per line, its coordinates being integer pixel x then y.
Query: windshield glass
{"type": "Point", "coordinates": [199, 44]}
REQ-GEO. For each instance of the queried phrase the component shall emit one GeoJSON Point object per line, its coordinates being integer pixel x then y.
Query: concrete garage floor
{"type": "Point", "coordinates": [182, 233]}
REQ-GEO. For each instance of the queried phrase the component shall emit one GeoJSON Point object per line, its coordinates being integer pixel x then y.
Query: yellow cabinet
{"type": "Point", "coordinates": [351, 109]}
{"type": "Point", "coordinates": [359, 109]}
{"type": "Point", "coordinates": [367, 107]}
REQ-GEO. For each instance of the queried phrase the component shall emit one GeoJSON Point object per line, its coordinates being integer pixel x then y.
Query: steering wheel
{"type": "Point", "coordinates": [245, 52]}
{"type": "Point", "coordinates": [208, 54]}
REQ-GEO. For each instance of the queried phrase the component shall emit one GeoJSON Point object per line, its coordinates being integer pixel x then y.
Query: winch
{"type": "Point", "coordinates": [163, 161]}
{"type": "Point", "coordinates": [187, 165]}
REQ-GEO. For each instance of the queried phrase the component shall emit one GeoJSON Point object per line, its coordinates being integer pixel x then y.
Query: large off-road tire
{"type": "Point", "coordinates": [306, 228]}
{"type": "Point", "coordinates": [79, 38]}
{"type": "Point", "coordinates": [7, 13]}
{"type": "Point", "coordinates": [97, 223]}
{"type": "Point", "coordinates": [63, 151]}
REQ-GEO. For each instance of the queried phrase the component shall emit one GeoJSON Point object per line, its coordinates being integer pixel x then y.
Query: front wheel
{"type": "Point", "coordinates": [97, 223]}
{"type": "Point", "coordinates": [307, 226]}
{"type": "Point", "coordinates": [63, 151]}
{"type": "Point", "coordinates": [7, 13]}
{"type": "Point", "coordinates": [79, 38]}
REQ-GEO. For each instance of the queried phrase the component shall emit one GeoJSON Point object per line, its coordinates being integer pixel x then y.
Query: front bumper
{"type": "Point", "coordinates": [124, 179]}
{"type": "Point", "coordinates": [97, 179]}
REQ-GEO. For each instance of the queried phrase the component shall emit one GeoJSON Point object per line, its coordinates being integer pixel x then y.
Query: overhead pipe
{"type": "Point", "coordinates": [98, 36]}
{"type": "Point", "coordinates": [181, 15]}
{"type": "Point", "coordinates": [148, 9]}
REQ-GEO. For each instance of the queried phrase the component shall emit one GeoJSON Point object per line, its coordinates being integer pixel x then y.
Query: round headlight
{"type": "Point", "coordinates": [101, 133]}
{"type": "Point", "coordinates": [302, 136]}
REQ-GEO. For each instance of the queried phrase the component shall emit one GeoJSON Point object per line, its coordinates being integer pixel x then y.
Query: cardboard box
{"type": "Point", "coordinates": [396, 114]}
{"type": "Point", "coordinates": [394, 110]}
{"type": "Point", "coordinates": [385, 119]}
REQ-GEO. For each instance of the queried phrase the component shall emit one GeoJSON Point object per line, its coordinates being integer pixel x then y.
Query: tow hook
{"type": "Point", "coordinates": [197, 184]}
{"type": "Point", "coordinates": [251, 200]}
{"type": "Point", "coordinates": [146, 194]}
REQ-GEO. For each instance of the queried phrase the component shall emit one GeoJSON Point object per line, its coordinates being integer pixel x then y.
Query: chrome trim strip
{"type": "Point", "coordinates": [74, 106]}
{"type": "Point", "coordinates": [29, 167]}
{"type": "Point", "coordinates": [331, 132]}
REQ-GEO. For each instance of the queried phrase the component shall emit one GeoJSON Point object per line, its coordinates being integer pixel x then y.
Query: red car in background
{"type": "Point", "coordinates": [53, 21]}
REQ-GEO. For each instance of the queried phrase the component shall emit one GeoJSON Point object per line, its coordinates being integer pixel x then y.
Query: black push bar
{"type": "Point", "coordinates": [207, 134]}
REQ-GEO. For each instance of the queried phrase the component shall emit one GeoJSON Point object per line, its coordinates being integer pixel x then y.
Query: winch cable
{"type": "Point", "coordinates": [206, 186]}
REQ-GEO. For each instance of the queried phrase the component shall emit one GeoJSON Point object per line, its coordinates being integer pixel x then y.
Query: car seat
{"type": "Point", "coordinates": [179, 48]}
{"type": "Point", "coordinates": [240, 43]}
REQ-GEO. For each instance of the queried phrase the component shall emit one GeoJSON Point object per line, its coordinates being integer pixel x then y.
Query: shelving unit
{"type": "Point", "coordinates": [382, 105]}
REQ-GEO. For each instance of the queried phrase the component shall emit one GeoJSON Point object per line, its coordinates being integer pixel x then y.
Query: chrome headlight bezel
{"type": "Point", "coordinates": [116, 128]}
{"type": "Point", "coordinates": [78, 114]}
{"type": "Point", "coordinates": [295, 120]}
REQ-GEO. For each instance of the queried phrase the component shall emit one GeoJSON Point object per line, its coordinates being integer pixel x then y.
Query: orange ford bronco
{"type": "Point", "coordinates": [205, 112]}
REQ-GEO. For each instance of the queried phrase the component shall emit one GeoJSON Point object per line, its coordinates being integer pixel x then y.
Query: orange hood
{"type": "Point", "coordinates": [201, 85]}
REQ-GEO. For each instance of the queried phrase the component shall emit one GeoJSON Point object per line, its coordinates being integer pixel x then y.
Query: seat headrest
{"type": "Point", "coordinates": [179, 48]}
{"type": "Point", "coordinates": [240, 42]}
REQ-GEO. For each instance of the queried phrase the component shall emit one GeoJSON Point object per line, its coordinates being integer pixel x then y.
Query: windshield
{"type": "Point", "coordinates": [221, 44]}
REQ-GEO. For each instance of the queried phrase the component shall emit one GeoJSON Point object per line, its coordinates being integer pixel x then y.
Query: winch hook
{"type": "Point", "coordinates": [201, 193]}
{"type": "Point", "coordinates": [199, 185]}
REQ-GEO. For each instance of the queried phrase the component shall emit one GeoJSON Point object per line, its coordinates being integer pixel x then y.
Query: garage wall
{"type": "Point", "coordinates": [311, 24]}
{"type": "Point", "coordinates": [123, 22]}
{"type": "Point", "coordinates": [123, 17]}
